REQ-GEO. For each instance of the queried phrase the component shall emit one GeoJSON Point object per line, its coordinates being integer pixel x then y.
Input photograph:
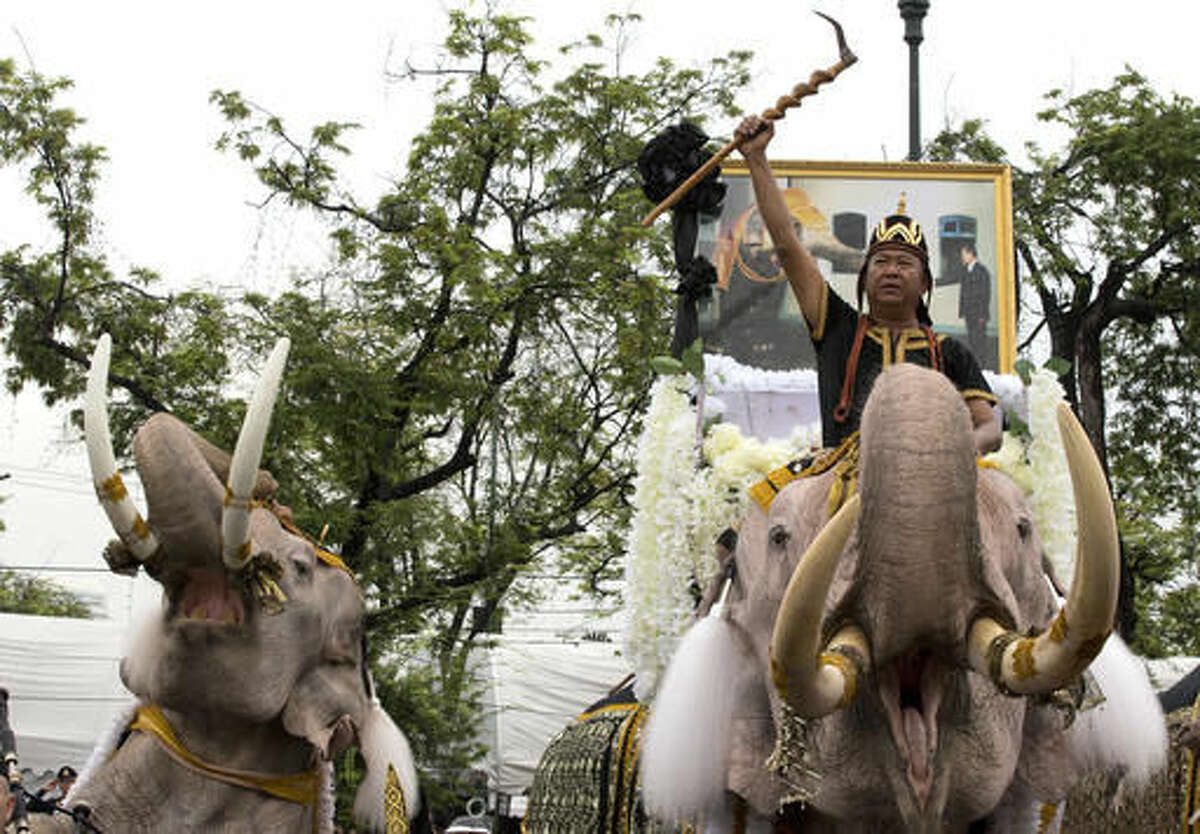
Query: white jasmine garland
{"type": "Point", "coordinates": [719, 495]}
{"type": "Point", "coordinates": [1039, 466]}
{"type": "Point", "coordinates": [656, 595]}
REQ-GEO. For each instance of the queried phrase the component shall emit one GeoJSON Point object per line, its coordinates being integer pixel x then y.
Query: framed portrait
{"type": "Point", "coordinates": [966, 213]}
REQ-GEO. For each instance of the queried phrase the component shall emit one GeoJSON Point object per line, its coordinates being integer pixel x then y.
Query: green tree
{"type": "Point", "coordinates": [1107, 228]}
{"type": "Point", "coordinates": [24, 594]}
{"type": "Point", "coordinates": [465, 386]}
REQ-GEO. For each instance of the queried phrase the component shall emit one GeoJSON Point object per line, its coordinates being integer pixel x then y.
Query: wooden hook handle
{"type": "Point", "coordinates": [784, 103]}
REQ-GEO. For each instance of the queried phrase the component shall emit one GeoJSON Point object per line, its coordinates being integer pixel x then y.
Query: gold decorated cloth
{"type": "Point", "coordinates": [587, 779]}
{"type": "Point", "coordinates": [843, 461]}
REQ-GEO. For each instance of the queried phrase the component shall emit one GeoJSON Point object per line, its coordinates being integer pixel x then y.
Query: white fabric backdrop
{"type": "Point", "coordinates": [533, 690]}
{"type": "Point", "coordinates": [63, 686]}
{"type": "Point", "coordinates": [771, 404]}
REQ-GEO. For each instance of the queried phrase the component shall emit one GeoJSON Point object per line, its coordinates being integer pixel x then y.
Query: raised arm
{"type": "Point", "coordinates": [801, 270]}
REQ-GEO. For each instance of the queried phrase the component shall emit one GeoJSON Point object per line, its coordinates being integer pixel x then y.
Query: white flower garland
{"type": "Point", "coordinates": [680, 511]}
{"type": "Point", "coordinates": [682, 508]}
{"type": "Point", "coordinates": [1039, 466]}
{"type": "Point", "coordinates": [656, 584]}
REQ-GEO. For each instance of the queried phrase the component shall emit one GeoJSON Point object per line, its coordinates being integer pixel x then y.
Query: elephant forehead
{"type": "Point", "coordinates": [770, 544]}
{"type": "Point", "coordinates": [803, 505]}
{"type": "Point", "coordinates": [268, 534]}
{"type": "Point", "coordinates": [321, 596]}
{"type": "Point", "coordinates": [1012, 551]}
{"type": "Point", "coordinates": [339, 595]}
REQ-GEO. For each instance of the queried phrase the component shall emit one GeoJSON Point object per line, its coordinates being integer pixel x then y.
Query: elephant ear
{"type": "Point", "coordinates": [321, 705]}
{"type": "Point", "coordinates": [327, 698]}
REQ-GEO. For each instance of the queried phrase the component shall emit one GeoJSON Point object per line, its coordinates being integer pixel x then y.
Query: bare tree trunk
{"type": "Point", "coordinates": [1092, 413]}
{"type": "Point", "coordinates": [1075, 333]}
{"type": "Point", "coordinates": [1091, 382]}
{"type": "Point", "coordinates": [1064, 328]}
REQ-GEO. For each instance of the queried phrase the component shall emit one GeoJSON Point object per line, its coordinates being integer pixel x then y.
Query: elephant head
{"type": "Point", "coordinates": [895, 643]}
{"type": "Point", "coordinates": [260, 628]}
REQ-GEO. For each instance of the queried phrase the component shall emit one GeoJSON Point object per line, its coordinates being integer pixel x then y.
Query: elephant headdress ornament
{"type": "Point", "coordinates": [253, 676]}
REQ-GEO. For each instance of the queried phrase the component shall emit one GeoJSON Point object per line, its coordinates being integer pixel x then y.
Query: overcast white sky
{"type": "Point", "coordinates": [143, 72]}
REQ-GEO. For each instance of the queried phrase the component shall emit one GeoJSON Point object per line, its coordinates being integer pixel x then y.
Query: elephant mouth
{"type": "Point", "coordinates": [911, 688]}
{"type": "Point", "coordinates": [206, 598]}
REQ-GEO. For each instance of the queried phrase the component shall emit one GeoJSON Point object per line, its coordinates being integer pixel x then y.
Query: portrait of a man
{"type": "Point", "coordinates": [966, 209]}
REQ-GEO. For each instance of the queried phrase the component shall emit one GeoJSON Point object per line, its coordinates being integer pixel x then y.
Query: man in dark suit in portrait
{"type": "Point", "coordinates": [974, 301]}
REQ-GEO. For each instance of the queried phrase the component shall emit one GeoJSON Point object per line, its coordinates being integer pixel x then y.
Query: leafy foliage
{"type": "Point", "coordinates": [24, 594]}
{"type": "Point", "coordinates": [465, 385]}
{"type": "Point", "coordinates": [1107, 230]}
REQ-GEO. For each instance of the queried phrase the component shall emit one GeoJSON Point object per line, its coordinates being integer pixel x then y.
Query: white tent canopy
{"type": "Point", "coordinates": [63, 684]}
{"type": "Point", "coordinates": [65, 692]}
{"type": "Point", "coordinates": [534, 690]}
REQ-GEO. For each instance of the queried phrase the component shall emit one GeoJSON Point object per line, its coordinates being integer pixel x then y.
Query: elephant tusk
{"type": "Point", "coordinates": [247, 454]}
{"type": "Point", "coordinates": [812, 682]}
{"type": "Point", "coordinates": [1034, 665]}
{"type": "Point", "coordinates": [124, 515]}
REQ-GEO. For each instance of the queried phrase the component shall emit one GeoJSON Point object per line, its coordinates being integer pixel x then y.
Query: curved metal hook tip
{"type": "Point", "coordinates": [847, 56]}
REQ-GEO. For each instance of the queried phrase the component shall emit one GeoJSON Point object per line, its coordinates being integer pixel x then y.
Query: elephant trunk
{"type": "Point", "coordinates": [1035, 665]}
{"type": "Point", "coordinates": [183, 495]}
{"type": "Point", "coordinates": [918, 562]}
{"type": "Point", "coordinates": [919, 571]}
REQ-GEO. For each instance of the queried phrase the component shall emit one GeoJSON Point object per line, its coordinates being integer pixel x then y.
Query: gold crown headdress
{"type": "Point", "coordinates": [900, 228]}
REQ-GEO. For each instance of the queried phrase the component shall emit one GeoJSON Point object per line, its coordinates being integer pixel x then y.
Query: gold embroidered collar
{"type": "Point", "coordinates": [300, 788]}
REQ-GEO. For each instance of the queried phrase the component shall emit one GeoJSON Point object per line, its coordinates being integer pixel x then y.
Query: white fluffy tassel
{"type": "Point", "coordinates": [143, 651]}
{"type": "Point", "coordinates": [1128, 729]}
{"type": "Point", "coordinates": [104, 747]}
{"type": "Point", "coordinates": [381, 742]}
{"type": "Point", "coordinates": [684, 756]}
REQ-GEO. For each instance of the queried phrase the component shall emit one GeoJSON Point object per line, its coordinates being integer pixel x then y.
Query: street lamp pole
{"type": "Point", "coordinates": [913, 12]}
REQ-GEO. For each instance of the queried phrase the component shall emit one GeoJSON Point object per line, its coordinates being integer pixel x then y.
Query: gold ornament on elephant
{"type": "Point", "coordinates": [787, 760]}
{"type": "Point", "coordinates": [394, 807]}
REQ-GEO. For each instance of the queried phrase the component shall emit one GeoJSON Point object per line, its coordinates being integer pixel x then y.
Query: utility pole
{"type": "Point", "coordinates": [913, 12]}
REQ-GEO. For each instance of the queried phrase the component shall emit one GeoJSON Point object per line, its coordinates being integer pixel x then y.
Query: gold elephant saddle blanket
{"type": "Point", "coordinates": [587, 779]}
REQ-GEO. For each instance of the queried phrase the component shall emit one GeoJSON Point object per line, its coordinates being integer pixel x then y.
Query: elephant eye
{"type": "Point", "coordinates": [1024, 528]}
{"type": "Point", "coordinates": [302, 566]}
{"type": "Point", "coordinates": [779, 535]}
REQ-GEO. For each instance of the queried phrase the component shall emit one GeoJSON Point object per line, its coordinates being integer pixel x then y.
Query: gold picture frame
{"type": "Point", "coordinates": [753, 316]}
